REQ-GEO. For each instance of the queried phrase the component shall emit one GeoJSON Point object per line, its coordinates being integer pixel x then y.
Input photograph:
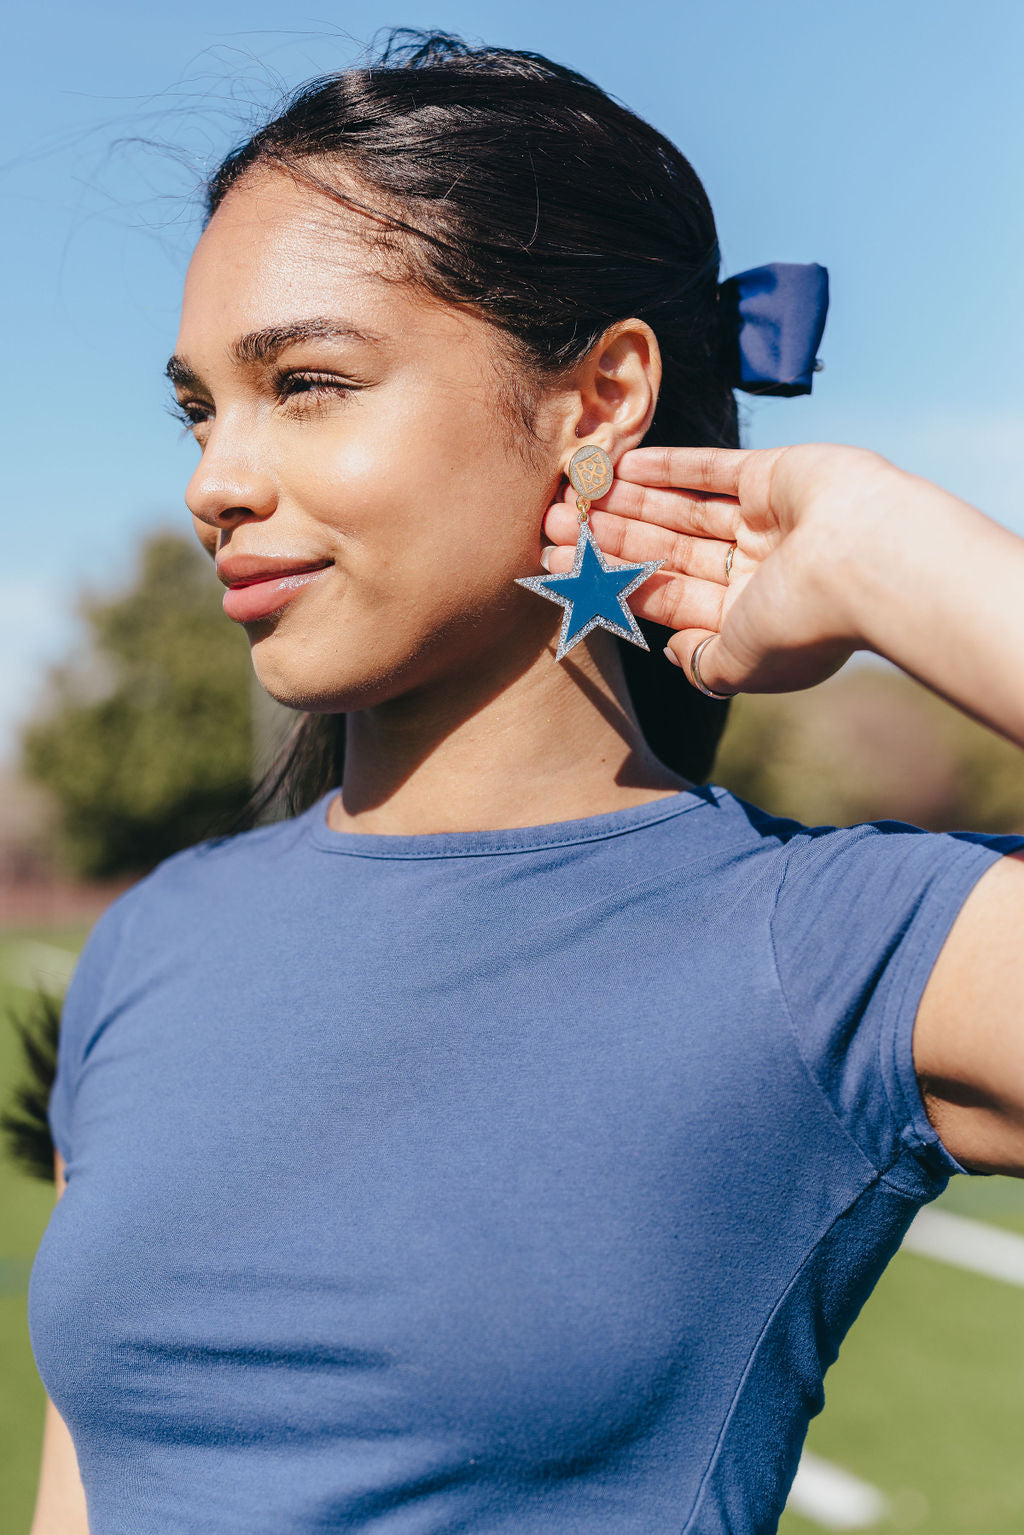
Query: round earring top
{"type": "Point", "coordinates": [590, 472]}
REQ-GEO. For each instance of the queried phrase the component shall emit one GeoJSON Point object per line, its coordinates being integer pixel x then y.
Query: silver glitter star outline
{"type": "Point", "coordinates": [630, 630]}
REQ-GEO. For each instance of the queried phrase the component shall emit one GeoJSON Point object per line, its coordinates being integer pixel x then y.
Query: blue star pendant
{"type": "Point", "coordinates": [593, 594]}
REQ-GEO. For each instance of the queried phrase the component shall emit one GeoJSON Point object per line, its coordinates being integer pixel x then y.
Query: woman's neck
{"type": "Point", "coordinates": [555, 743]}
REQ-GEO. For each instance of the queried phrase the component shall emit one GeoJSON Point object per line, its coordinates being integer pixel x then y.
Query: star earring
{"type": "Point", "coordinates": [593, 593]}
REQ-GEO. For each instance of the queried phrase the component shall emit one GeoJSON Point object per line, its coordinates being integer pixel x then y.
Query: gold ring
{"type": "Point", "coordinates": [728, 561]}
{"type": "Point", "coordinates": [695, 670]}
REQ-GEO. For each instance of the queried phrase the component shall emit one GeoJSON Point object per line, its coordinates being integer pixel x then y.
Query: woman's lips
{"type": "Point", "coordinates": [258, 599]}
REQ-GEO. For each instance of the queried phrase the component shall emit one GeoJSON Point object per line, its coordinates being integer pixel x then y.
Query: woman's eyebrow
{"type": "Point", "coordinates": [262, 346]}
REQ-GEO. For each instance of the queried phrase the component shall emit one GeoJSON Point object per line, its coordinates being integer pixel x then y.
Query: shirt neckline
{"type": "Point", "coordinates": [514, 839]}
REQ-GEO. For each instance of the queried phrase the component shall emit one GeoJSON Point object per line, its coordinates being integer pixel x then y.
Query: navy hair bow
{"type": "Point", "coordinates": [774, 319]}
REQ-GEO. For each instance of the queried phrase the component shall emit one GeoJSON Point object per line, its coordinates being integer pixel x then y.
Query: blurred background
{"type": "Point", "coordinates": [882, 140]}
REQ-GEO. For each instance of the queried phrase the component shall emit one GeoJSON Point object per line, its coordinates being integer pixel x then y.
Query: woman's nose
{"type": "Point", "coordinates": [228, 487]}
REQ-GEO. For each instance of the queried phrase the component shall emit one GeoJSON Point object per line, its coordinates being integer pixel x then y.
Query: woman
{"type": "Point", "coordinates": [506, 1140]}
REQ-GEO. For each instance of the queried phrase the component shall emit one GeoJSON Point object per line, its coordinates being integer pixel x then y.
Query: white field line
{"type": "Point", "coordinates": [42, 964]}
{"type": "Point", "coordinates": [968, 1244]}
{"type": "Point", "coordinates": [833, 1498]}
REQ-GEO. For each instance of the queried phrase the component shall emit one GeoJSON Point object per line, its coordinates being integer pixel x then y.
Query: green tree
{"type": "Point", "coordinates": [145, 738]}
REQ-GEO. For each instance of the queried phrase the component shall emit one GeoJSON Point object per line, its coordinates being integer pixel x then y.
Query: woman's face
{"type": "Point", "coordinates": [349, 421]}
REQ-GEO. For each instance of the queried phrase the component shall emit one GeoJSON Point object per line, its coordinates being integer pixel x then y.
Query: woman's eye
{"type": "Point", "coordinates": [191, 413]}
{"type": "Point", "coordinates": [312, 386]}
{"type": "Point", "coordinates": [307, 388]}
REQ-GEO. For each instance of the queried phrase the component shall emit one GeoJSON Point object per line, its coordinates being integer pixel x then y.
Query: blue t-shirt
{"type": "Point", "coordinates": [493, 1181]}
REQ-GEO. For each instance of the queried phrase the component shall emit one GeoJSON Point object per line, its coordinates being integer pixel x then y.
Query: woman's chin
{"type": "Point", "coordinates": [299, 684]}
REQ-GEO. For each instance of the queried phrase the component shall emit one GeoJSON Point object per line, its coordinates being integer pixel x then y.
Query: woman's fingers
{"type": "Point", "coordinates": [679, 602]}
{"type": "Point", "coordinates": [681, 647]}
{"type": "Point", "coordinates": [624, 539]}
{"type": "Point", "coordinates": [680, 511]}
{"type": "Point", "coordinates": [710, 470]}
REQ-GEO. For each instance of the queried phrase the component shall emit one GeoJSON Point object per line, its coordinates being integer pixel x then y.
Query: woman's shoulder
{"type": "Point", "coordinates": [813, 878]}
{"type": "Point", "coordinates": [217, 867]}
{"type": "Point", "coordinates": [822, 842]}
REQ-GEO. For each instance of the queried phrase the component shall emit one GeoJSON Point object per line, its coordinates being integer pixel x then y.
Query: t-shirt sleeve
{"type": "Point", "coordinates": [81, 1009]}
{"type": "Point", "coordinates": [860, 916]}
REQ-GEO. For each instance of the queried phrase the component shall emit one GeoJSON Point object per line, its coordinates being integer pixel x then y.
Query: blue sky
{"type": "Point", "coordinates": [883, 139]}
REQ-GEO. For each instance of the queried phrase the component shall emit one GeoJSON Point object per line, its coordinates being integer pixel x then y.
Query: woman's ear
{"type": "Point", "coordinates": [615, 389]}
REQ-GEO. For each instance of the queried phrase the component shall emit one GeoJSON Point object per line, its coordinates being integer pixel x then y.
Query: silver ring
{"type": "Point", "coordinates": [728, 561]}
{"type": "Point", "coordinates": [695, 671]}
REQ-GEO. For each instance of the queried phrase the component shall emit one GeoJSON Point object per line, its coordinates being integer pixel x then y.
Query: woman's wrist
{"type": "Point", "coordinates": [934, 585]}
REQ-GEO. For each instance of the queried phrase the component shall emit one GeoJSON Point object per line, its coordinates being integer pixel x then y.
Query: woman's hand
{"type": "Point", "coordinates": [780, 621]}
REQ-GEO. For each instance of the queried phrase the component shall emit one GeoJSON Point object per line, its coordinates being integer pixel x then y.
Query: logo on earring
{"type": "Point", "coordinates": [590, 472]}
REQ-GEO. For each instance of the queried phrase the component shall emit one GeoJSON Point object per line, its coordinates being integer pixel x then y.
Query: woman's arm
{"type": "Point", "coordinates": [60, 1502]}
{"type": "Point", "coordinates": [937, 587]}
{"type": "Point", "coordinates": [837, 550]}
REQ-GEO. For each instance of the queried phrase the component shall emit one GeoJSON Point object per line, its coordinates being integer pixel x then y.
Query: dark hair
{"type": "Point", "coordinates": [516, 186]}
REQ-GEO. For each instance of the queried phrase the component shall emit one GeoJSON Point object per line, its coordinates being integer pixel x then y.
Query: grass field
{"type": "Point", "coordinates": [926, 1401]}
{"type": "Point", "coordinates": [25, 1204]}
